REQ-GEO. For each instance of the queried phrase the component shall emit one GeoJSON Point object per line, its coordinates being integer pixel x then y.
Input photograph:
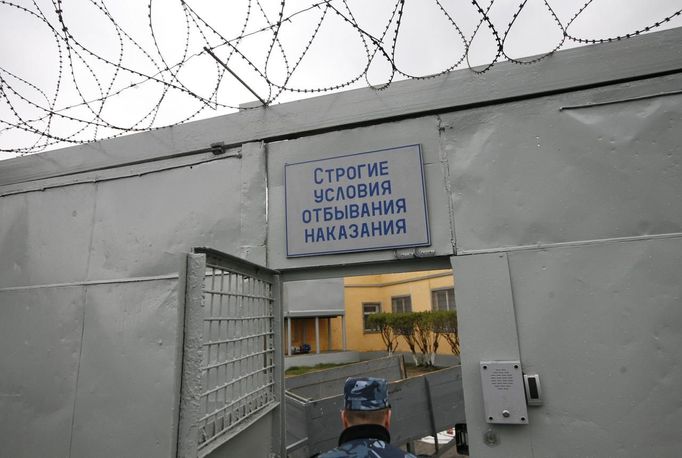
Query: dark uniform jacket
{"type": "Point", "coordinates": [366, 441]}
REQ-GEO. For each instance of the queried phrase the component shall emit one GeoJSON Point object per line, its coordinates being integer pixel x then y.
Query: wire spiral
{"type": "Point", "coordinates": [106, 69]}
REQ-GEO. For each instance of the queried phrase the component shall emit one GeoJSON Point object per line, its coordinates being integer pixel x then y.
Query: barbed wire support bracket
{"type": "Point", "coordinates": [210, 53]}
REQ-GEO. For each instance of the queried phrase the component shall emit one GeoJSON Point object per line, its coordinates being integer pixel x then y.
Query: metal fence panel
{"type": "Point", "coordinates": [230, 378]}
{"type": "Point", "coordinates": [322, 384]}
{"type": "Point", "coordinates": [421, 406]}
{"type": "Point", "coordinates": [296, 427]}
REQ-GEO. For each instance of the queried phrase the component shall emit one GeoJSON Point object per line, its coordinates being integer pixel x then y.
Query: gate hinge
{"type": "Point", "coordinates": [218, 148]}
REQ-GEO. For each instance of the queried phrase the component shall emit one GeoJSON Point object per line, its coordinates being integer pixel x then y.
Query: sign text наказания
{"type": "Point", "coordinates": [356, 202]}
{"type": "Point", "coordinates": [333, 191]}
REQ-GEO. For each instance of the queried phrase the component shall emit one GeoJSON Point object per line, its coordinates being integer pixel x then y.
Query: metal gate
{"type": "Point", "coordinates": [233, 360]}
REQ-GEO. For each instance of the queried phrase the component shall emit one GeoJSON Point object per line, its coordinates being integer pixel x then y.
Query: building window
{"type": "Point", "coordinates": [443, 299]}
{"type": "Point", "coordinates": [401, 304]}
{"type": "Point", "coordinates": [367, 310]}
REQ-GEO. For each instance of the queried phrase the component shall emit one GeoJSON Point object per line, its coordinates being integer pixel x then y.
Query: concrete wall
{"type": "Point", "coordinates": [314, 297]}
{"type": "Point", "coordinates": [303, 301]}
{"type": "Point", "coordinates": [303, 332]}
{"type": "Point", "coordinates": [313, 359]}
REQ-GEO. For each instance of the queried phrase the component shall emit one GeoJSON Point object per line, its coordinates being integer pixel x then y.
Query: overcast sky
{"type": "Point", "coordinates": [428, 43]}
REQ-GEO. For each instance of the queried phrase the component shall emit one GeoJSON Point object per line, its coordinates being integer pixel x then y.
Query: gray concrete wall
{"type": "Point", "coordinates": [314, 297]}
{"type": "Point", "coordinates": [313, 359]}
{"type": "Point", "coordinates": [440, 361]}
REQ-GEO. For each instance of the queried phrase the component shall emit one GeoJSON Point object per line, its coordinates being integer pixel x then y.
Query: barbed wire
{"type": "Point", "coordinates": [80, 76]}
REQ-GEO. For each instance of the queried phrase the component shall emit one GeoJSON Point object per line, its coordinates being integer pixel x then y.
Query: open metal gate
{"type": "Point", "coordinates": [233, 360]}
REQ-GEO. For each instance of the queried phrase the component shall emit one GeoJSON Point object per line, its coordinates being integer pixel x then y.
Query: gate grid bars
{"type": "Point", "coordinates": [230, 375]}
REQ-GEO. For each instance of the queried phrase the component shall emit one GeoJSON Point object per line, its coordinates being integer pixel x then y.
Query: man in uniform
{"type": "Point", "coordinates": [366, 417]}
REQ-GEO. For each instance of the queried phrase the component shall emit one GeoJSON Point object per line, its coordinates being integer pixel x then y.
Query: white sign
{"type": "Point", "coordinates": [357, 202]}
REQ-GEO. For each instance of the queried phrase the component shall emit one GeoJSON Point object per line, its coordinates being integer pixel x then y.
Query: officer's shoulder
{"type": "Point", "coordinates": [334, 453]}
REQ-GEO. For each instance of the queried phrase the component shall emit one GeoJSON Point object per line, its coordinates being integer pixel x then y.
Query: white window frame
{"type": "Point", "coordinates": [435, 304]}
{"type": "Point", "coordinates": [366, 314]}
{"type": "Point", "coordinates": [401, 299]}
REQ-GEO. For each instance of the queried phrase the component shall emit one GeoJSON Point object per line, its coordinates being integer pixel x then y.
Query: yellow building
{"type": "Point", "coordinates": [390, 293]}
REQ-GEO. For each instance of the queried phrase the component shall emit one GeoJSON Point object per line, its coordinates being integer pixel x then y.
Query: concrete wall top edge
{"type": "Point", "coordinates": [641, 57]}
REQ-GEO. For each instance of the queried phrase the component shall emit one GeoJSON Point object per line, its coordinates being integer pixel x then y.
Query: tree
{"type": "Point", "coordinates": [420, 330]}
{"type": "Point", "coordinates": [417, 330]}
{"type": "Point", "coordinates": [382, 322]}
{"type": "Point", "coordinates": [403, 325]}
{"type": "Point", "coordinates": [445, 324]}
{"type": "Point", "coordinates": [426, 337]}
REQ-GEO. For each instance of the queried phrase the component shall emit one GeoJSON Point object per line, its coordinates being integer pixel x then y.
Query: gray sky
{"type": "Point", "coordinates": [428, 43]}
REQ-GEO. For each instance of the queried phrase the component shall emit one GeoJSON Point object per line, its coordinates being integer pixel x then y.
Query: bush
{"type": "Point", "coordinates": [383, 323]}
{"type": "Point", "coordinates": [404, 325]}
{"type": "Point", "coordinates": [420, 330]}
{"type": "Point", "coordinates": [445, 324]}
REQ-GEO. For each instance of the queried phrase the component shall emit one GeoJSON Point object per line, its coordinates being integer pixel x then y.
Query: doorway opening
{"type": "Point", "coordinates": [400, 325]}
{"type": "Point", "coordinates": [352, 318]}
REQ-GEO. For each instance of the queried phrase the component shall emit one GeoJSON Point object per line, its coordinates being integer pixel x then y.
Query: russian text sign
{"type": "Point", "coordinates": [357, 202]}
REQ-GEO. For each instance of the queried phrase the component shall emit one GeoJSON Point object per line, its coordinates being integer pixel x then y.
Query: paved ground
{"type": "Point", "coordinates": [427, 448]}
{"type": "Point", "coordinates": [422, 450]}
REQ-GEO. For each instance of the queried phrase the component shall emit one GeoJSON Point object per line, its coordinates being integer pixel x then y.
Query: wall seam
{"type": "Point", "coordinates": [92, 282]}
{"type": "Point", "coordinates": [398, 282]}
{"type": "Point", "coordinates": [78, 369]}
{"type": "Point", "coordinates": [547, 246]}
{"type": "Point", "coordinates": [445, 167]}
{"type": "Point", "coordinates": [111, 178]}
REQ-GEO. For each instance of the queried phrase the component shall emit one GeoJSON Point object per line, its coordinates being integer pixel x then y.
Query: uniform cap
{"type": "Point", "coordinates": [365, 393]}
